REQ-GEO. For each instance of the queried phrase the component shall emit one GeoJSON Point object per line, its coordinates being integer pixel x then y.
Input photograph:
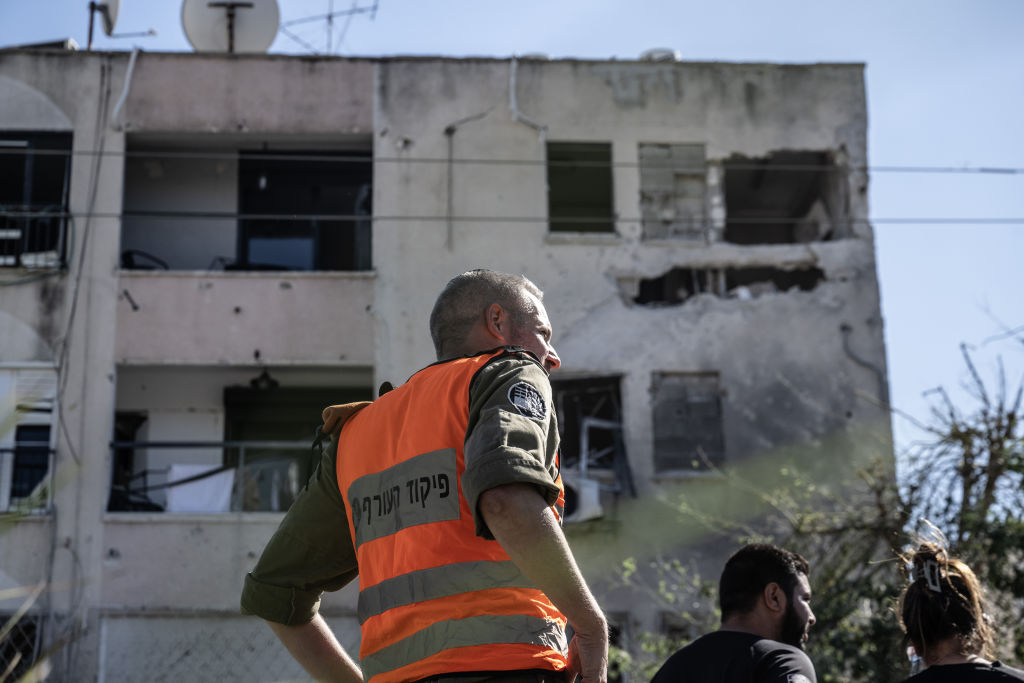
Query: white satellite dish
{"type": "Point", "coordinates": [108, 15]}
{"type": "Point", "coordinates": [229, 26]}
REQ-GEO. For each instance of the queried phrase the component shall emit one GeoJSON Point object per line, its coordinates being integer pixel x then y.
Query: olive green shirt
{"type": "Point", "coordinates": [511, 437]}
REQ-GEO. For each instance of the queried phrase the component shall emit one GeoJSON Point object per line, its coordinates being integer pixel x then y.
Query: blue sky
{"type": "Point", "coordinates": [945, 83]}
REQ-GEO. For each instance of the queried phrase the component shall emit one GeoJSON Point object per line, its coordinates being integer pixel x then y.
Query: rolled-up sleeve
{"type": "Point", "coordinates": [311, 552]}
{"type": "Point", "coordinates": [512, 435]}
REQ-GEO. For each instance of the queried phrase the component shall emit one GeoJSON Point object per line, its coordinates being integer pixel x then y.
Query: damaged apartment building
{"type": "Point", "coordinates": [200, 251]}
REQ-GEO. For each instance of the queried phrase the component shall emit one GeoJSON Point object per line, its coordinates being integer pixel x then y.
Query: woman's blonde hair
{"type": "Point", "coordinates": [943, 599]}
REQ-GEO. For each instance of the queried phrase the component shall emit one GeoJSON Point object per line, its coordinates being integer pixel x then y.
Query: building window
{"type": "Point", "coordinates": [310, 211]}
{"type": "Point", "coordinates": [673, 192]}
{"type": "Point", "coordinates": [687, 421]}
{"type": "Point", "coordinates": [27, 400]}
{"type": "Point", "coordinates": [225, 209]}
{"type": "Point", "coordinates": [784, 198]}
{"type": "Point", "coordinates": [31, 459]}
{"type": "Point", "coordinates": [271, 477]}
{"type": "Point", "coordinates": [580, 187]}
{"type": "Point", "coordinates": [35, 168]}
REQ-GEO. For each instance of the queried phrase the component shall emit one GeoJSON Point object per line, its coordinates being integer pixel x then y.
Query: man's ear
{"type": "Point", "coordinates": [774, 597]}
{"type": "Point", "coordinates": [496, 322]}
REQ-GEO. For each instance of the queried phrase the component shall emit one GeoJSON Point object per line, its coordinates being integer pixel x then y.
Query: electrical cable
{"type": "Point", "coordinates": [420, 218]}
{"type": "Point", "coordinates": [753, 165]}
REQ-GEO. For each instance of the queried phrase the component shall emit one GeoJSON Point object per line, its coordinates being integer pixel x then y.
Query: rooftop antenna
{"type": "Point", "coordinates": [329, 18]}
{"type": "Point", "coordinates": [229, 25]}
{"type": "Point", "coordinates": [108, 15]}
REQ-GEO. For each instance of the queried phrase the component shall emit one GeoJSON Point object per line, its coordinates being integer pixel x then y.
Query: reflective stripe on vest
{"type": "Point", "coordinates": [434, 597]}
{"type": "Point", "coordinates": [481, 630]}
{"type": "Point", "coordinates": [438, 582]}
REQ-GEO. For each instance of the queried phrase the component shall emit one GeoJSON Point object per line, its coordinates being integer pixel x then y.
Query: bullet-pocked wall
{"type": "Point", "coordinates": [700, 231]}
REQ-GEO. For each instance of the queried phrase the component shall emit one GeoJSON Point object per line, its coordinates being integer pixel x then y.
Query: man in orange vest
{"type": "Point", "coordinates": [444, 497]}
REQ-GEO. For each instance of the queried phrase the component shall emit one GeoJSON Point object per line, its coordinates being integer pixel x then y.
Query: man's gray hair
{"type": "Point", "coordinates": [464, 300]}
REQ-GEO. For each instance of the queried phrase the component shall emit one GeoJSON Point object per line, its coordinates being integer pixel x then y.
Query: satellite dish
{"type": "Point", "coordinates": [108, 13]}
{"type": "Point", "coordinates": [228, 26]}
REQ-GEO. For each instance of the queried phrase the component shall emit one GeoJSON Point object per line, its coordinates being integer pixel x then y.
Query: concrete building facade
{"type": "Point", "coordinates": [199, 251]}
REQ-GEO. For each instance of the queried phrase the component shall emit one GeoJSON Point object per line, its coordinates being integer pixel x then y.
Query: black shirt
{"type": "Point", "coordinates": [735, 657]}
{"type": "Point", "coordinates": [996, 672]}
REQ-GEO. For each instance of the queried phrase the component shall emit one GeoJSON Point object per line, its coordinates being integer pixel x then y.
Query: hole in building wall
{"type": "Point", "coordinates": [786, 197]}
{"type": "Point", "coordinates": [680, 284]}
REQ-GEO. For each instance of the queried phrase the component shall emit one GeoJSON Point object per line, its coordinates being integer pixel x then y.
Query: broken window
{"type": "Point", "coordinates": [679, 284]}
{"type": "Point", "coordinates": [35, 168]}
{"type": "Point", "coordinates": [580, 187]}
{"type": "Point", "coordinates": [784, 198]}
{"type": "Point", "coordinates": [590, 425]}
{"type": "Point", "coordinates": [673, 191]}
{"type": "Point", "coordinates": [687, 421]}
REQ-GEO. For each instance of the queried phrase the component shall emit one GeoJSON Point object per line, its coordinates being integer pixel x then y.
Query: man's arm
{"type": "Point", "coordinates": [314, 646]}
{"type": "Point", "coordinates": [785, 664]}
{"type": "Point", "coordinates": [523, 523]}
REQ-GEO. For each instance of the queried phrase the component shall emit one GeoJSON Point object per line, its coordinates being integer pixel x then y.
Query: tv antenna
{"type": "Point", "coordinates": [331, 42]}
{"type": "Point", "coordinates": [229, 25]}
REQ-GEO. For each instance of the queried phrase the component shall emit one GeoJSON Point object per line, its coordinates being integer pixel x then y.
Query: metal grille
{"type": "Point", "coordinates": [214, 649]}
{"type": "Point", "coordinates": [19, 646]}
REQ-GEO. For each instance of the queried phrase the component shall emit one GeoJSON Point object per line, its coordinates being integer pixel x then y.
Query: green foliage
{"type": "Point", "coordinates": [838, 503]}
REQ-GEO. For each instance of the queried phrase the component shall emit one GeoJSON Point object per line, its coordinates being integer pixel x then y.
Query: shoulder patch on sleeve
{"type": "Point", "coordinates": [528, 401]}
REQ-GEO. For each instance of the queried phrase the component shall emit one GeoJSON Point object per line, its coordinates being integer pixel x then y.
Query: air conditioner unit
{"type": "Point", "coordinates": [582, 498]}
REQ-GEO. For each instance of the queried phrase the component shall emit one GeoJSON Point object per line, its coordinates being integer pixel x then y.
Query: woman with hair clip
{"type": "Point", "coordinates": [942, 614]}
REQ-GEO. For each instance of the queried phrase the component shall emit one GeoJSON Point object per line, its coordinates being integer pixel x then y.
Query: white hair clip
{"type": "Point", "coordinates": [931, 575]}
{"type": "Point", "coordinates": [929, 571]}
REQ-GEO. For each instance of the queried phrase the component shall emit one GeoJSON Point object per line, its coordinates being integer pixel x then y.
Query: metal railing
{"type": "Point", "coordinates": [263, 476]}
{"type": "Point", "coordinates": [32, 236]}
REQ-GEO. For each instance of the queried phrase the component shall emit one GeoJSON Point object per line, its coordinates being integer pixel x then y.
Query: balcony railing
{"type": "Point", "coordinates": [254, 476]}
{"type": "Point", "coordinates": [32, 236]}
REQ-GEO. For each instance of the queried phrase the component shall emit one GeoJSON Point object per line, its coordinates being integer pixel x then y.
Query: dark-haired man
{"type": "Point", "coordinates": [766, 614]}
{"type": "Point", "coordinates": [444, 497]}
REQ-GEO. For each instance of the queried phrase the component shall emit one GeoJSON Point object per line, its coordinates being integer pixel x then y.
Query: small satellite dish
{"type": "Point", "coordinates": [219, 26]}
{"type": "Point", "coordinates": [108, 15]}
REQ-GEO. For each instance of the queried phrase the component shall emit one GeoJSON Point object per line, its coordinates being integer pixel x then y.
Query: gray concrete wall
{"type": "Point", "coordinates": [321, 319]}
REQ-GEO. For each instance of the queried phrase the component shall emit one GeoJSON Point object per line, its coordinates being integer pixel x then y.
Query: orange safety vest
{"type": "Point", "coordinates": [434, 598]}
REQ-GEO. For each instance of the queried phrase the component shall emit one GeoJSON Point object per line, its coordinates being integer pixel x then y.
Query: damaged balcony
{"type": "Point", "coordinates": [679, 285]}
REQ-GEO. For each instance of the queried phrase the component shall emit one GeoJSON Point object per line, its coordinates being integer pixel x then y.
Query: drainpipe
{"type": "Point", "coordinates": [542, 130]}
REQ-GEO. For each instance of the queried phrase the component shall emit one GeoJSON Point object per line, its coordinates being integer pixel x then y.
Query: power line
{"type": "Point", "coordinates": [424, 218]}
{"type": "Point", "coordinates": [752, 165]}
